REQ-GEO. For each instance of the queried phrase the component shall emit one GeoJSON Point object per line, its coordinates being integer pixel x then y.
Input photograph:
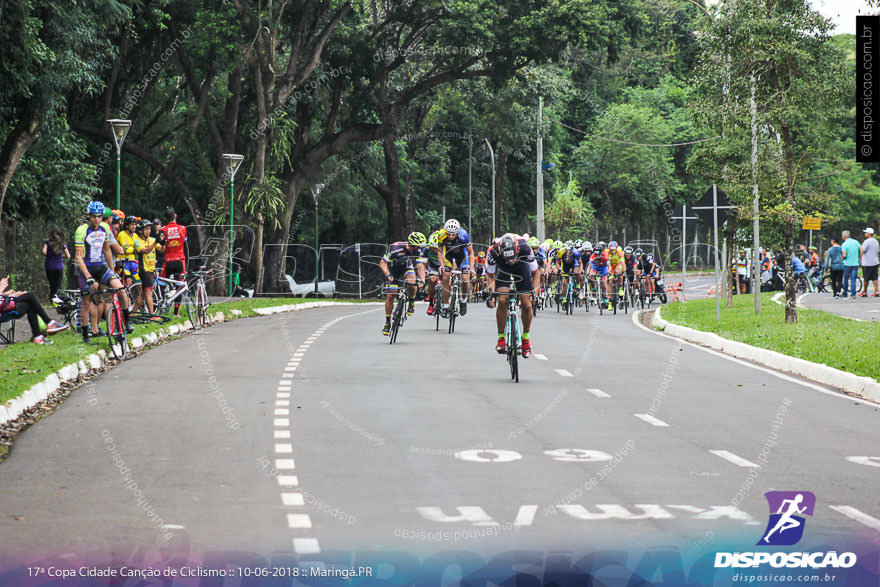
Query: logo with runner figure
{"type": "Point", "coordinates": [786, 525]}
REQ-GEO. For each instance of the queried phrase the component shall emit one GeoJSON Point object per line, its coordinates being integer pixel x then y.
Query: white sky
{"type": "Point", "coordinates": [841, 12]}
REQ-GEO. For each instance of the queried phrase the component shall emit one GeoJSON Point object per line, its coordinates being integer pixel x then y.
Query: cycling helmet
{"type": "Point", "coordinates": [812, 248]}
{"type": "Point", "coordinates": [95, 208]}
{"type": "Point", "coordinates": [452, 225]}
{"type": "Point", "coordinates": [508, 246]}
{"type": "Point", "coordinates": [119, 214]}
{"type": "Point", "coordinates": [107, 213]}
{"type": "Point", "coordinates": [628, 250]}
{"type": "Point", "coordinates": [639, 252]}
{"type": "Point", "coordinates": [417, 239]}
{"type": "Point", "coordinates": [612, 245]}
{"type": "Point", "coordinates": [432, 240]}
{"type": "Point", "coordinates": [481, 254]}
{"type": "Point", "coordinates": [588, 245]}
{"type": "Point", "coordinates": [601, 245]}
{"type": "Point", "coordinates": [130, 220]}
{"type": "Point", "coordinates": [525, 235]}
{"type": "Point", "coordinates": [533, 242]}
{"type": "Point", "coordinates": [578, 243]}
{"type": "Point", "coordinates": [548, 241]}
{"type": "Point", "coordinates": [557, 245]}
{"type": "Point", "coordinates": [146, 222]}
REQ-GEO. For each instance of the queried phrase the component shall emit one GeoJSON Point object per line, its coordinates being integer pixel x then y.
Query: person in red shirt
{"type": "Point", "coordinates": [173, 236]}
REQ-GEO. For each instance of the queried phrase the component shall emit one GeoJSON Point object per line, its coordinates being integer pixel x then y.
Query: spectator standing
{"type": "Point", "coordinates": [55, 250]}
{"type": "Point", "coordinates": [870, 260]}
{"type": "Point", "coordinates": [157, 232]}
{"type": "Point", "coordinates": [834, 266]}
{"type": "Point", "coordinates": [851, 259]}
{"type": "Point", "coordinates": [742, 272]}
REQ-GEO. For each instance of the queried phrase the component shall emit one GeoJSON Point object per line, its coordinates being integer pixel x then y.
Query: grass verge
{"type": "Point", "coordinates": [820, 337]}
{"type": "Point", "coordinates": [23, 364]}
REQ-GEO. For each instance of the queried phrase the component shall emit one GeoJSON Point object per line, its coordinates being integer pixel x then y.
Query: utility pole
{"type": "Point", "coordinates": [756, 267]}
{"type": "Point", "coordinates": [470, 169]}
{"type": "Point", "coordinates": [540, 172]}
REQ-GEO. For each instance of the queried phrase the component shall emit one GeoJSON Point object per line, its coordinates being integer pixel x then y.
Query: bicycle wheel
{"type": "Point", "coordinates": [191, 312]}
{"type": "Point", "coordinates": [436, 302]}
{"type": "Point", "coordinates": [114, 325]}
{"type": "Point", "coordinates": [453, 307]}
{"type": "Point", "coordinates": [512, 350]}
{"type": "Point", "coordinates": [202, 303]}
{"type": "Point", "coordinates": [396, 319]}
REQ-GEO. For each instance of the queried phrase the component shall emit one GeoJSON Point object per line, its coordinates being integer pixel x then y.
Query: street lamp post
{"type": "Point", "coordinates": [492, 155]}
{"type": "Point", "coordinates": [232, 162]}
{"type": "Point", "coordinates": [316, 191]}
{"type": "Point", "coordinates": [120, 130]}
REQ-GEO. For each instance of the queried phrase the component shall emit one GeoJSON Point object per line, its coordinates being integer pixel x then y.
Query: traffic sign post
{"type": "Point", "coordinates": [715, 193]}
{"type": "Point", "coordinates": [684, 218]}
{"type": "Point", "coordinates": [812, 223]}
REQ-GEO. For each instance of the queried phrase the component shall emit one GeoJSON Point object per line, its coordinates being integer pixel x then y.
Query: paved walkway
{"type": "Point", "coordinates": [859, 308]}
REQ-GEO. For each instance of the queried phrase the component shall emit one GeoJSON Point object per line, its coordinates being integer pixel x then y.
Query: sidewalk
{"type": "Point", "coordinates": [867, 309]}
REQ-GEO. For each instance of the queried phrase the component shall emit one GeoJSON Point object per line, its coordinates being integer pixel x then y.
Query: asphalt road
{"type": "Point", "coordinates": [308, 433]}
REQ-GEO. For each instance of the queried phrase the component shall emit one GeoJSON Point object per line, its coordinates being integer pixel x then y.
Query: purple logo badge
{"type": "Point", "coordinates": [787, 511]}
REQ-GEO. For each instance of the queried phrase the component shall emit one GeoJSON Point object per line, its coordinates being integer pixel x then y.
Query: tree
{"type": "Point", "coordinates": [780, 50]}
{"type": "Point", "coordinates": [568, 215]}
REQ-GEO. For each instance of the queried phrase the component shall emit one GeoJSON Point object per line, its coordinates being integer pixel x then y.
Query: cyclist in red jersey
{"type": "Point", "coordinates": [174, 237]}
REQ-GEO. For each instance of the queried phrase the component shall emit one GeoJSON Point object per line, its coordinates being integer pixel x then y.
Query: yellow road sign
{"type": "Point", "coordinates": [812, 223]}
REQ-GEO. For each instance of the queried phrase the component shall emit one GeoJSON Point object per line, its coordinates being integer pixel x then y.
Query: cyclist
{"type": "Point", "coordinates": [616, 263]}
{"type": "Point", "coordinates": [131, 245]}
{"type": "Point", "coordinates": [569, 259]}
{"type": "Point", "coordinates": [599, 268]}
{"type": "Point", "coordinates": [631, 263]}
{"type": "Point", "coordinates": [174, 240]}
{"type": "Point", "coordinates": [397, 265]}
{"type": "Point", "coordinates": [553, 255]}
{"type": "Point", "coordinates": [480, 273]}
{"type": "Point", "coordinates": [455, 247]}
{"type": "Point", "coordinates": [511, 263]}
{"type": "Point", "coordinates": [647, 270]}
{"type": "Point", "coordinates": [430, 252]}
{"type": "Point", "coordinates": [147, 260]}
{"type": "Point", "coordinates": [93, 261]}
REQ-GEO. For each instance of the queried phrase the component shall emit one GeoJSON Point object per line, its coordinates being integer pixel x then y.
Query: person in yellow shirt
{"type": "Point", "coordinates": [147, 259]}
{"type": "Point", "coordinates": [130, 244]}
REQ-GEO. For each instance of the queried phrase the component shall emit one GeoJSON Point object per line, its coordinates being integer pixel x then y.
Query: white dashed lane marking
{"type": "Point", "coordinates": [292, 499]}
{"type": "Point", "coordinates": [857, 515]}
{"type": "Point", "coordinates": [284, 464]}
{"type": "Point", "coordinates": [287, 480]}
{"type": "Point", "coordinates": [735, 459]}
{"type": "Point", "coordinates": [299, 521]}
{"type": "Point", "coordinates": [597, 392]}
{"type": "Point", "coordinates": [282, 412]}
{"type": "Point", "coordinates": [540, 357]}
{"type": "Point", "coordinates": [284, 448]}
{"type": "Point", "coordinates": [281, 423]}
{"type": "Point", "coordinates": [563, 373]}
{"type": "Point", "coordinates": [651, 420]}
{"type": "Point", "coordinates": [281, 434]}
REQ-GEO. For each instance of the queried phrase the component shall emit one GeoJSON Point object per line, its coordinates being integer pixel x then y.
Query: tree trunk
{"type": "Point", "coordinates": [791, 316]}
{"type": "Point", "coordinates": [258, 280]}
{"type": "Point", "coordinates": [395, 203]}
{"type": "Point", "coordinates": [500, 174]}
{"type": "Point", "coordinates": [17, 144]}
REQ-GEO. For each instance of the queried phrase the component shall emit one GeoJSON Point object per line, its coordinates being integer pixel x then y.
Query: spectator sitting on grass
{"type": "Point", "coordinates": [27, 304]}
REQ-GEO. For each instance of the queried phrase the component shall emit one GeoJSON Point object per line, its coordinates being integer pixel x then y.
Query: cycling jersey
{"type": "Point", "coordinates": [148, 260]}
{"type": "Point", "coordinates": [454, 247]}
{"type": "Point", "coordinates": [522, 254]}
{"type": "Point", "coordinates": [598, 260]}
{"type": "Point", "coordinates": [130, 244]}
{"type": "Point", "coordinates": [92, 240]}
{"type": "Point", "coordinates": [647, 265]}
{"type": "Point", "coordinates": [175, 239]}
{"type": "Point", "coordinates": [615, 258]}
{"type": "Point", "coordinates": [512, 271]}
{"type": "Point", "coordinates": [569, 259]}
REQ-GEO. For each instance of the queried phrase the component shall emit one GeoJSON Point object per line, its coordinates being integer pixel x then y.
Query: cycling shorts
{"type": "Point", "coordinates": [567, 267]}
{"type": "Point", "coordinates": [177, 268]}
{"type": "Point", "coordinates": [457, 254]}
{"type": "Point", "coordinates": [517, 274]}
{"type": "Point", "coordinates": [100, 273]}
{"type": "Point", "coordinates": [130, 269]}
{"type": "Point", "coordinates": [148, 278]}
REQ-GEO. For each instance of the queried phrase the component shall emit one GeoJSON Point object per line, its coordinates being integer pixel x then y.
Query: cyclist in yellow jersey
{"type": "Point", "coordinates": [617, 263]}
{"type": "Point", "coordinates": [130, 244]}
{"type": "Point", "coordinates": [147, 254]}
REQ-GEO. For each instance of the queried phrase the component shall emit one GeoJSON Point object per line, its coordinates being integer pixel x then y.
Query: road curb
{"type": "Point", "coordinates": [98, 362]}
{"type": "Point", "coordinates": [863, 387]}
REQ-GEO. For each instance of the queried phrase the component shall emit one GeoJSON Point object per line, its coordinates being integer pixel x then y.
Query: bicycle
{"type": "Point", "coordinates": [568, 300]}
{"type": "Point", "coordinates": [398, 314]}
{"type": "Point", "coordinates": [68, 305]}
{"type": "Point", "coordinates": [455, 288]}
{"type": "Point", "coordinates": [512, 340]}
{"type": "Point", "coordinates": [114, 323]}
{"type": "Point", "coordinates": [192, 293]}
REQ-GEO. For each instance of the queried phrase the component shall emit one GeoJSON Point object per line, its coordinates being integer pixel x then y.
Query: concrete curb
{"type": "Point", "coordinates": [863, 387]}
{"type": "Point", "coordinates": [99, 361]}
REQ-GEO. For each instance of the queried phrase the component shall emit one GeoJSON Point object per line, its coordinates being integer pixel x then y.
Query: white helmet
{"type": "Point", "coordinates": [525, 235]}
{"type": "Point", "coordinates": [452, 226]}
{"type": "Point", "coordinates": [588, 245]}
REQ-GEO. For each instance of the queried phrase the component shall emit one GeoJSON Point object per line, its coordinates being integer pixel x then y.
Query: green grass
{"type": "Point", "coordinates": [820, 337]}
{"type": "Point", "coordinates": [24, 364]}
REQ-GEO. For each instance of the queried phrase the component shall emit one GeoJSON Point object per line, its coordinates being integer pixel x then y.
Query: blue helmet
{"type": "Point", "coordinates": [95, 208]}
